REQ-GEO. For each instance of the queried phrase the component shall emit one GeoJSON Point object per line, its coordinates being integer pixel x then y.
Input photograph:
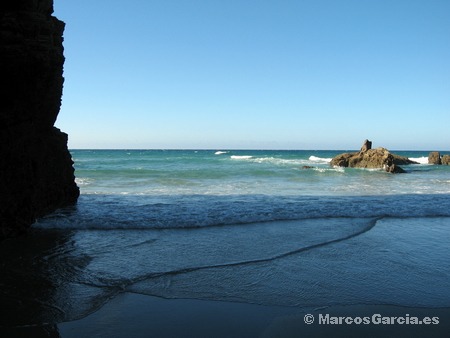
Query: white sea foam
{"type": "Point", "coordinates": [338, 168]}
{"type": "Point", "coordinates": [279, 161]}
{"type": "Point", "coordinates": [335, 169]}
{"type": "Point", "coordinates": [241, 157]}
{"type": "Point", "coordinates": [421, 160]}
{"type": "Point", "coordinates": [219, 152]}
{"type": "Point", "coordinates": [271, 160]}
{"type": "Point", "coordinates": [83, 181]}
{"type": "Point", "coordinates": [319, 159]}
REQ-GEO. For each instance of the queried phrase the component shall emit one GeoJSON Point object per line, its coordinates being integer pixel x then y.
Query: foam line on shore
{"type": "Point", "coordinates": [152, 275]}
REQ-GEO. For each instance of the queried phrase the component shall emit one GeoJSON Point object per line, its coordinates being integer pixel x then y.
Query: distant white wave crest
{"type": "Point", "coordinates": [421, 160]}
{"type": "Point", "coordinates": [319, 159]}
{"type": "Point", "coordinates": [241, 157]}
{"type": "Point", "coordinates": [83, 181]}
{"type": "Point", "coordinates": [279, 161]}
{"type": "Point", "coordinates": [272, 160]}
{"type": "Point", "coordinates": [220, 152]}
{"type": "Point", "coordinates": [334, 168]}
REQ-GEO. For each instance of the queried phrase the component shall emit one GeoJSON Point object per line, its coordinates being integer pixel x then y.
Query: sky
{"type": "Point", "coordinates": [247, 74]}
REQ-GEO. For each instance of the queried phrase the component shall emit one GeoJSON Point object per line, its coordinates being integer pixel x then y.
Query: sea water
{"type": "Point", "coordinates": [263, 227]}
{"type": "Point", "coordinates": [154, 189]}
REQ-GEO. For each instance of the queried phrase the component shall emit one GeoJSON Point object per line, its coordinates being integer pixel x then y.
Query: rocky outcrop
{"type": "Point", "coordinates": [445, 160]}
{"type": "Point", "coordinates": [434, 157]}
{"type": "Point", "coordinates": [36, 169]}
{"type": "Point", "coordinates": [379, 158]}
{"type": "Point", "coordinates": [367, 145]}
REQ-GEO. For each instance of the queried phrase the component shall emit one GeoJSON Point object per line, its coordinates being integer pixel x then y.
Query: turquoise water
{"type": "Point", "coordinates": [204, 172]}
{"type": "Point", "coordinates": [243, 226]}
{"type": "Point", "coordinates": [148, 189]}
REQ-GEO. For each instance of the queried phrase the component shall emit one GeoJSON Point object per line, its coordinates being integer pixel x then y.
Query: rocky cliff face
{"type": "Point", "coordinates": [36, 172]}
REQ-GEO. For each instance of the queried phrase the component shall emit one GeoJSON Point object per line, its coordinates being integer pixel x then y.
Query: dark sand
{"type": "Point", "coordinates": [133, 315]}
{"type": "Point", "coordinates": [43, 282]}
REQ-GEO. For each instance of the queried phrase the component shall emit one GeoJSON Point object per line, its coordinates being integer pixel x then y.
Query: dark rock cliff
{"type": "Point", "coordinates": [36, 169]}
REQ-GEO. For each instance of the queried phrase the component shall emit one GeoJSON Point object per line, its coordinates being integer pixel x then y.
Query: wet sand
{"type": "Point", "coordinates": [48, 276]}
{"type": "Point", "coordinates": [134, 315]}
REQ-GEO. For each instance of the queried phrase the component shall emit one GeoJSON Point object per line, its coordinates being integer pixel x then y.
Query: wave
{"type": "Point", "coordinates": [421, 160]}
{"type": "Point", "coordinates": [319, 159]}
{"type": "Point", "coordinates": [271, 160]}
{"type": "Point", "coordinates": [277, 160]}
{"type": "Point", "coordinates": [241, 157]}
{"type": "Point", "coordinates": [333, 169]}
{"type": "Point", "coordinates": [83, 181]}
{"type": "Point", "coordinates": [219, 152]}
{"type": "Point", "coordinates": [198, 211]}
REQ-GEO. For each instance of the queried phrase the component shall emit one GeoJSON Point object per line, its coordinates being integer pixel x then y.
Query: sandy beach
{"type": "Point", "coordinates": [139, 316]}
{"type": "Point", "coordinates": [134, 315]}
{"type": "Point", "coordinates": [328, 290]}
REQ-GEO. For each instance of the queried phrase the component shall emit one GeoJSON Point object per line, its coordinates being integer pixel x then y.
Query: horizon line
{"type": "Point", "coordinates": [250, 149]}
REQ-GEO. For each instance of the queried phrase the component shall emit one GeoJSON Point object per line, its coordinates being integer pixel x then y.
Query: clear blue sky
{"type": "Point", "coordinates": [278, 74]}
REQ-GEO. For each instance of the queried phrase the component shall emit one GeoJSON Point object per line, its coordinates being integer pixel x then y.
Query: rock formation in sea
{"type": "Point", "coordinates": [379, 158]}
{"type": "Point", "coordinates": [36, 168]}
{"type": "Point", "coordinates": [445, 159]}
{"type": "Point", "coordinates": [367, 145]}
{"type": "Point", "coordinates": [434, 158]}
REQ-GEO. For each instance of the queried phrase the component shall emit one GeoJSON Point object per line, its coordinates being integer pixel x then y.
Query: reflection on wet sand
{"type": "Point", "coordinates": [38, 283]}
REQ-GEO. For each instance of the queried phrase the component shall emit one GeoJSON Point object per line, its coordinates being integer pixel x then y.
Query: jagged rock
{"type": "Point", "coordinates": [445, 160]}
{"type": "Point", "coordinates": [307, 167]}
{"type": "Point", "coordinates": [36, 169]}
{"type": "Point", "coordinates": [394, 169]}
{"type": "Point", "coordinates": [367, 145]}
{"type": "Point", "coordinates": [379, 158]}
{"type": "Point", "coordinates": [434, 157]}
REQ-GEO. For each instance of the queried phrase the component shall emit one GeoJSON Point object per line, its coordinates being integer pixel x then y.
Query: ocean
{"type": "Point", "coordinates": [156, 189]}
{"type": "Point", "coordinates": [268, 227]}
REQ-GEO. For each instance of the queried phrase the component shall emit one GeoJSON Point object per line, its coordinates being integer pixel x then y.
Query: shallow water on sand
{"type": "Point", "coordinates": [53, 275]}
